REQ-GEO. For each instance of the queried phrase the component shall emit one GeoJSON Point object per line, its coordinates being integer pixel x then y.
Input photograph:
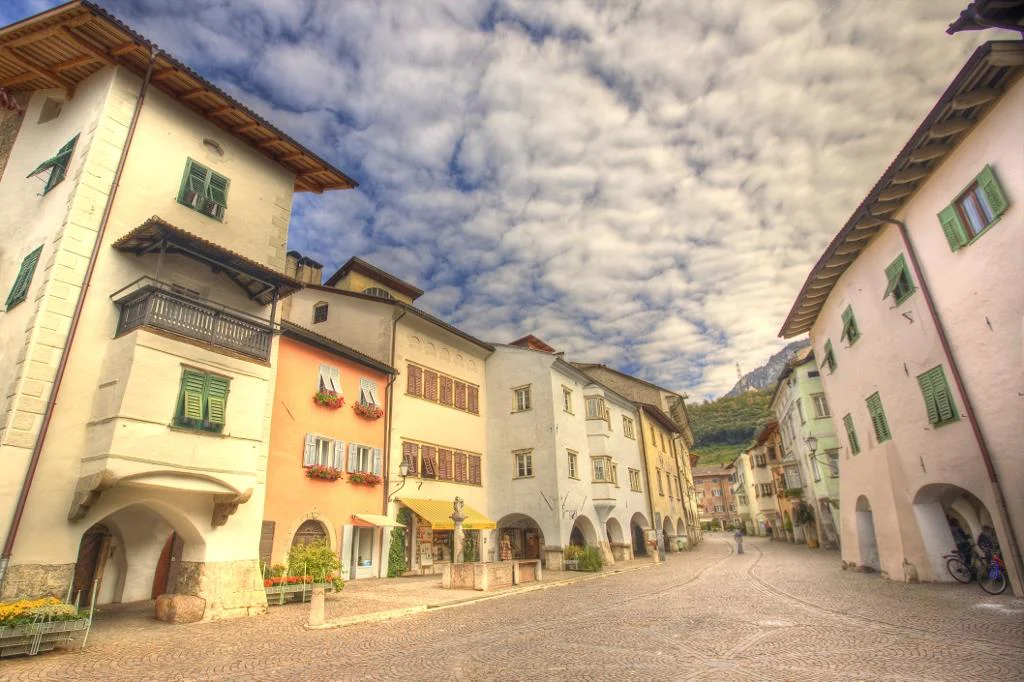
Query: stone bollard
{"type": "Point", "coordinates": [316, 607]}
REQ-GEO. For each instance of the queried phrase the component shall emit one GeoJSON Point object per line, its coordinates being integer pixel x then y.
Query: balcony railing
{"type": "Point", "coordinates": [149, 303]}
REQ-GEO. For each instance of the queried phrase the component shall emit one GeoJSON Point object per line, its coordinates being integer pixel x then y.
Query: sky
{"type": "Point", "coordinates": [641, 184]}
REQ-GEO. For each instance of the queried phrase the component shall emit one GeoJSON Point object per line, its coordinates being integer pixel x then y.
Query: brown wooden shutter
{"type": "Point", "coordinates": [446, 391]}
{"type": "Point", "coordinates": [415, 380]}
{"type": "Point", "coordinates": [460, 395]}
{"type": "Point", "coordinates": [409, 455]}
{"type": "Point", "coordinates": [444, 464]}
{"type": "Point", "coordinates": [430, 385]}
{"type": "Point", "coordinates": [460, 467]}
{"type": "Point", "coordinates": [473, 399]}
{"type": "Point", "coordinates": [428, 460]}
{"type": "Point", "coordinates": [267, 543]}
{"type": "Point", "coordinates": [474, 469]}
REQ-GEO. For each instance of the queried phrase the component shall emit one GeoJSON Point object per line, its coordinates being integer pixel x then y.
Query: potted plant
{"type": "Point", "coordinates": [319, 472]}
{"type": "Point", "coordinates": [28, 626]}
{"type": "Point", "coordinates": [328, 399]}
{"type": "Point", "coordinates": [364, 478]}
{"type": "Point", "coordinates": [309, 566]}
{"type": "Point", "coordinates": [368, 411]}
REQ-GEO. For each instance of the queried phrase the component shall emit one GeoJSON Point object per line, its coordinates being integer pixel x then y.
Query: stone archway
{"type": "Point", "coordinates": [682, 534]}
{"type": "Point", "coordinates": [525, 538]}
{"type": "Point", "coordinates": [867, 543]}
{"type": "Point", "coordinates": [637, 525]}
{"type": "Point", "coordinates": [620, 548]}
{"type": "Point", "coordinates": [583, 533]}
{"type": "Point", "coordinates": [934, 505]}
{"type": "Point", "coordinates": [669, 534]}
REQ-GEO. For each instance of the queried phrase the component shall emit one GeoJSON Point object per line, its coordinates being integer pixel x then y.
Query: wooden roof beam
{"type": "Point", "coordinates": [974, 98]}
{"type": "Point", "coordinates": [950, 127]}
{"type": "Point", "coordinates": [124, 48]}
{"type": "Point", "coordinates": [77, 61]}
{"type": "Point", "coordinates": [84, 44]}
{"type": "Point", "coordinates": [163, 74]}
{"type": "Point", "coordinates": [18, 80]}
{"type": "Point", "coordinates": [244, 128]}
{"type": "Point", "coordinates": [290, 157]}
{"type": "Point", "coordinates": [929, 152]}
{"type": "Point", "coordinates": [268, 143]}
{"type": "Point", "coordinates": [28, 65]}
{"type": "Point", "coordinates": [191, 94]}
{"type": "Point", "coordinates": [217, 111]}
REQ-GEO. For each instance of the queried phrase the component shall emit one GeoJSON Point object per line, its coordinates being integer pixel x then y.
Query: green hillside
{"type": "Point", "coordinates": [724, 427]}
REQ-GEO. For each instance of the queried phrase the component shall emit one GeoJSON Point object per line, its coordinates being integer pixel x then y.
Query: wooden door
{"type": "Point", "coordinates": [92, 556]}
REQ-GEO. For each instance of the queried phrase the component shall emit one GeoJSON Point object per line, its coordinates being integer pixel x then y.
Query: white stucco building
{"type": "Point", "coordinates": [136, 416]}
{"type": "Point", "coordinates": [915, 313]}
{"type": "Point", "coordinates": [565, 465]}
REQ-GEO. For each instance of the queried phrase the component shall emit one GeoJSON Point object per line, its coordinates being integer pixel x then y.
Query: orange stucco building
{"type": "Point", "coordinates": [324, 460]}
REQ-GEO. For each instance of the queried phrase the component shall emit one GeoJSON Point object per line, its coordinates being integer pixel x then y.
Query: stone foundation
{"type": "Point", "coordinates": [232, 589]}
{"type": "Point", "coordinates": [38, 580]}
{"type": "Point", "coordinates": [554, 559]}
{"type": "Point", "coordinates": [607, 557]}
{"type": "Point", "coordinates": [622, 551]}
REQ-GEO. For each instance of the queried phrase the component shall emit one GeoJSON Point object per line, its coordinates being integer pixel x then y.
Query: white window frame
{"type": "Point", "coordinates": [833, 462]}
{"type": "Point", "coordinates": [329, 379]}
{"type": "Point", "coordinates": [821, 410]}
{"type": "Point", "coordinates": [602, 469]}
{"type": "Point", "coordinates": [627, 427]}
{"type": "Point", "coordinates": [574, 464]}
{"type": "Point", "coordinates": [634, 480]}
{"type": "Point", "coordinates": [521, 399]}
{"type": "Point", "coordinates": [356, 453]}
{"type": "Point", "coordinates": [522, 463]}
{"type": "Point", "coordinates": [567, 399]}
{"type": "Point", "coordinates": [599, 412]}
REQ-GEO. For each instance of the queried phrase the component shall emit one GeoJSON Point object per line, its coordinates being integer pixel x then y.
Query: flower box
{"type": "Point", "coordinates": [794, 492]}
{"type": "Point", "coordinates": [365, 478]}
{"type": "Point", "coordinates": [329, 399]}
{"type": "Point", "coordinates": [31, 638]}
{"type": "Point", "coordinates": [301, 591]}
{"type": "Point", "coordinates": [322, 473]}
{"type": "Point", "coordinates": [368, 411]}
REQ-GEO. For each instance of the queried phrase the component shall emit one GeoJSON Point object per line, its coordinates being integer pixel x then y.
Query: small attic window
{"type": "Point", "coordinates": [51, 109]}
{"type": "Point", "coordinates": [319, 313]}
{"type": "Point", "coordinates": [378, 292]}
{"type": "Point", "coordinates": [213, 146]}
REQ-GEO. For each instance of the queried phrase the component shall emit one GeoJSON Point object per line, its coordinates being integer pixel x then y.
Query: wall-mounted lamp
{"type": "Point", "coordinates": [403, 471]}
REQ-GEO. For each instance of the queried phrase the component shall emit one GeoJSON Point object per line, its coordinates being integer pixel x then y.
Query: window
{"type": "Point", "coordinates": [204, 190]}
{"type": "Point", "coordinates": [850, 331]}
{"type": "Point", "coordinates": [574, 471]}
{"type": "Point", "coordinates": [661, 490]}
{"type": "Point", "coordinates": [363, 459]}
{"type": "Point", "coordinates": [634, 480]}
{"type": "Point", "coordinates": [813, 374]}
{"type": "Point", "coordinates": [19, 290]}
{"type": "Point", "coordinates": [719, 509]}
{"type": "Point", "coordinates": [627, 427]}
{"type": "Point", "coordinates": [878, 419]}
{"type": "Point", "coordinates": [772, 453]}
{"type": "Point", "coordinates": [329, 379]}
{"type": "Point", "coordinates": [820, 406]}
{"type": "Point", "coordinates": [567, 399]}
{"type": "Point", "coordinates": [732, 506]}
{"type": "Point", "coordinates": [716, 492]}
{"type": "Point", "coordinates": [319, 313]}
{"type": "Point", "coordinates": [368, 392]}
{"type": "Point", "coordinates": [899, 284]}
{"type": "Point", "coordinates": [766, 489]}
{"type": "Point", "coordinates": [324, 452]}
{"type": "Point", "coordinates": [57, 165]}
{"type": "Point", "coordinates": [202, 400]}
{"type": "Point", "coordinates": [523, 463]}
{"type": "Point", "coordinates": [742, 500]}
{"type": "Point", "coordinates": [442, 389]}
{"type": "Point", "coordinates": [815, 471]}
{"type": "Point", "coordinates": [595, 408]}
{"type": "Point", "coordinates": [851, 434]}
{"type": "Point", "coordinates": [759, 461]}
{"type": "Point", "coordinates": [521, 399]}
{"type": "Point", "coordinates": [379, 293]}
{"type": "Point", "coordinates": [444, 463]}
{"type": "Point", "coordinates": [800, 410]}
{"type": "Point", "coordinates": [602, 467]}
{"type": "Point", "coordinates": [792, 476]}
{"type": "Point", "coordinates": [977, 208]}
{"type": "Point", "coordinates": [608, 418]}
{"type": "Point", "coordinates": [830, 357]}
{"type": "Point", "coordinates": [938, 400]}
{"type": "Point", "coordinates": [429, 467]}
{"type": "Point", "coordinates": [662, 436]}
{"type": "Point", "coordinates": [833, 462]}
{"type": "Point", "coordinates": [654, 437]}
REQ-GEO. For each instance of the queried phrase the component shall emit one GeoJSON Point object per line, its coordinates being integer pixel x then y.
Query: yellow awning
{"type": "Point", "coordinates": [438, 514]}
{"type": "Point", "coordinates": [375, 520]}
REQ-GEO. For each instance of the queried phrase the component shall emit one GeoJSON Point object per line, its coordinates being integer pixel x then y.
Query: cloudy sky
{"type": "Point", "coordinates": [644, 184]}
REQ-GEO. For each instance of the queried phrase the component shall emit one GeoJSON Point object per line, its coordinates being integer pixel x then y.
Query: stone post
{"type": "Point", "coordinates": [458, 536]}
{"type": "Point", "coordinates": [316, 607]}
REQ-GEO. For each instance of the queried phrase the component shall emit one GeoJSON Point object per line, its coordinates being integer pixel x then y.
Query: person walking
{"type": "Point", "coordinates": [738, 536]}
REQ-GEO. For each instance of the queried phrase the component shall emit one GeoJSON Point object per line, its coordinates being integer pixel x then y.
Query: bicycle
{"type": "Point", "coordinates": [992, 576]}
{"type": "Point", "coordinates": [962, 569]}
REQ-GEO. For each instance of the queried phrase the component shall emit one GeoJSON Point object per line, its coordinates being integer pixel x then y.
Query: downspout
{"type": "Point", "coordinates": [979, 437]}
{"type": "Point", "coordinates": [51, 403]}
{"type": "Point", "coordinates": [386, 465]}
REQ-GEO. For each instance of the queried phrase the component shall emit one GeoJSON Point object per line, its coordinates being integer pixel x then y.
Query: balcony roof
{"type": "Point", "coordinates": [257, 280]}
{"type": "Point", "coordinates": [63, 46]}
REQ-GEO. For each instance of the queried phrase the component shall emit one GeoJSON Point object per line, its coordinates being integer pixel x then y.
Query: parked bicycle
{"type": "Point", "coordinates": [962, 566]}
{"type": "Point", "coordinates": [992, 576]}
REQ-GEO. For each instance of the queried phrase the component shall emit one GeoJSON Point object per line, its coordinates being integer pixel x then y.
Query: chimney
{"type": "Point", "coordinates": [304, 269]}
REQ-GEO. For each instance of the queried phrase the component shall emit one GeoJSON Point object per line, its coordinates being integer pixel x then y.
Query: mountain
{"type": "Point", "coordinates": [724, 427]}
{"type": "Point", "coordinates": [765, 375]}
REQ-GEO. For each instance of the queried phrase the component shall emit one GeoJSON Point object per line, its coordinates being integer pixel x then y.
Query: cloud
{"type": "Point", "coordinates": [643, 184]}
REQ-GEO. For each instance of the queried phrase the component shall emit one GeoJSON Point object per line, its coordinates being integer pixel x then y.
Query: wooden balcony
{"type": "Point", "coordinates": [149, 303]}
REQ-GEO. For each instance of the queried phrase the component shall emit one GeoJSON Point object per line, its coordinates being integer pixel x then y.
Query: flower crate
{"type": "Point", "coordinates": [329, 399]}
{"type": "Point", "coordinates": [31, 638]}
{"type": "Point", "coordinates": [368, 411]}
{"type": "Point", "coordinates": [301, 592]}
{"type": "Point", "coordinates": [365, 478]}
{"type": "Point", "coordinates": [322, 473]}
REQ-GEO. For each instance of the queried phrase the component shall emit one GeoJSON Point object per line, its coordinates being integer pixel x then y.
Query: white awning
{"type": "Point", "coordinates": [375, 520]}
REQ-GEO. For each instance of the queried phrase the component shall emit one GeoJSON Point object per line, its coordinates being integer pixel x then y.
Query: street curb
{"type": "Point", "coordinates": [440, 606]}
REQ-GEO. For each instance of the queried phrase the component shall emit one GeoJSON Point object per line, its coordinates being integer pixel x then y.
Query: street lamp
{"type": "Point", "coordinates": [812, 443]}
{"type": "Point", "coordinates": [403, 471]}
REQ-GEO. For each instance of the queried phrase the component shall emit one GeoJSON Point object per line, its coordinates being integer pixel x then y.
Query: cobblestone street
{"type": "Point", "coordinates": [777, 612]}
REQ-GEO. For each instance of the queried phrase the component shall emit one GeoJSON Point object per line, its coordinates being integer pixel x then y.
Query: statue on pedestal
{"type": "Point", "coordinates": [458, 536]}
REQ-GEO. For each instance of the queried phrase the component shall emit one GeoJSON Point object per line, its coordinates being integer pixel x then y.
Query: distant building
{"type": "Point", "coordinates": [914, 312]}
{"type": "Point", "coordinates": [715, 497]}
{"type": "Point", "coordinates": [765, 453]}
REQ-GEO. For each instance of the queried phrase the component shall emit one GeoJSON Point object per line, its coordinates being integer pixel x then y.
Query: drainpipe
{"type": "Point", "coordinates": [51, 403]}
{"type": "Point", "coordinates": [386, 464]}
{"type": "Point", "coordinates": [979, 437]}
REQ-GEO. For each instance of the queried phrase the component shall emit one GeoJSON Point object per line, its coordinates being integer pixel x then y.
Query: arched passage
{"type": "Point", "coordinates": [523, 535]}
{"type": "Point", "coordinates": [637, 525]}
{"type": "Point", "coordinates": [934, 506]}
{"type": "Point", "coordinates": [668, 531]}
{"type": "Point", "coordinates": [614, 530]}
{"type": "Point", "coordinates": [867, 544]}
{"type": "Point", "coordinates": [583, 533]}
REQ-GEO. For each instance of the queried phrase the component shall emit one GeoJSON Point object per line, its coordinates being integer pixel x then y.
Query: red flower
{"type": "Point", "coordinates": [328, 399]}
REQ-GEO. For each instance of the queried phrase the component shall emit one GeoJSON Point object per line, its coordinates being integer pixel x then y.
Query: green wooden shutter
{"type": "Point", "coordinates": [878, 418]}
{"type": "Point", "coordinates": [830, 356]}
{"type": "Point", "coordinates": [937, 397]}
{"type": "Point", "coordinates": [216, 399]}
{"type": "Point", "coordinates": [895, 274]}
{"type": "Point", "coordinates": [60, 164]}
{"type": "Point", "coordinates": [851, 434]}
{"type": "Point", "coordinates": [217, 189]}
{"type": "Point", "coordinates": [928, 391]}
{"type": "Point", "coordinates": [952, 227]}
{"type": "Point", "coordinates": [19, 291]}
{"type": "Point", "coordinates": [993, 192]}
{"type": "Point", "coordinates": [193, 184]}
{"type": "Point", "coordinates": [193, 386]}
{"type": "Point", "coordinates": [850, 331]}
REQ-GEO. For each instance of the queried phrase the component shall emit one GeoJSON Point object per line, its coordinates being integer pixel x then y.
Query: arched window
{"type": "Point", "coordinates": [320, 312]}
{"type": "Point", "coordinates": [309, 532]}
{"type": "Point", "coordinates": [378, 292]}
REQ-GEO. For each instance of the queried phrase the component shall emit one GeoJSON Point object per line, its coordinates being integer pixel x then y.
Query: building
{"type": "Point", "coordinates": [809, 446]}
{"type": "Point", "coordinates": [914, 311]}
{"type": "Point", "coordinates": [741, 479]}
{"type": "Point", "coordinates": [435, 419]}
{"type": "Point", "coordinates": [671, 460]}
{"type": "Point", "coordinates": [565, 464]}
{"type": "Point", "coordinates": [714, 495]}
{"type": "Point", "coordinates": [325, 467]}
{"type": "Point", "coordinates": [765, 513]}
{"type": "Point", "coordinates": [136, 417]}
